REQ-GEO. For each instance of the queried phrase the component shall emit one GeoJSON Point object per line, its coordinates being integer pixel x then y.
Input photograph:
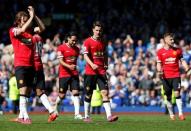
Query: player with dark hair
{"type": "Point", "coordinates": [68, 53]}
{"type": "Point", "coordinates": [21, 39]}
{"type": "Point", "coordinates": [23, 44]}
{"type": "Point", "coordinates": [94, 50]}
{"type": "Point", "coordinates": [168, 59]}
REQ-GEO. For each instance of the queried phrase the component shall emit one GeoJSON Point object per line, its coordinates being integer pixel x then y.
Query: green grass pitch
{"type": "Point", "coordinates": [126, 122]}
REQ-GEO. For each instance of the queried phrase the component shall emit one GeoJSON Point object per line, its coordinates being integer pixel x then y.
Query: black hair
{"type": "Point", "coordinates": [69, 35]}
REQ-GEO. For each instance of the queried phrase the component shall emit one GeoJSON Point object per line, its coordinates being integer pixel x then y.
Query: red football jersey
{"type": "Point", "coordinates": [38, 44]}
{"type": "Point", "coordinates": [23, 48]}
{"type": "Point", "coordinates": [169, 59]}
{"type": "Point", "coordinates": [69, 55]}
{"type": "Point", "coordinates": [95, 50]}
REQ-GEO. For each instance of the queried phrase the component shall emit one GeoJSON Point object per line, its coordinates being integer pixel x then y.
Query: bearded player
{"type": "Point", "coordinates": [68, 53]}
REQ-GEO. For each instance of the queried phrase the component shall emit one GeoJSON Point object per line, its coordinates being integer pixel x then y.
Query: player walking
{"type": "Point", "coordinates": [168, 59]}
{"type": "Point", "coordinates": [68, 75]}
{"type": "Point", "coordinates": [94, 50]}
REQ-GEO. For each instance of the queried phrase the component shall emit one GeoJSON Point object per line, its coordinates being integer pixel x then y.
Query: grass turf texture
{"type": "Point", "coordinates": [126, 122]}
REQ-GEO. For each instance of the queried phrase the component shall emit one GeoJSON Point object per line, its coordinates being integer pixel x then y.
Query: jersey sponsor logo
{"type": "Point", "coordinates": [163, 53]}
{"type": "Point", "coordinates": [71, 59]}
{"type": "Point", "coordinates": [170, 60]}
{"type": "Point", "coordinates": [98, 53]}
{"type": "Point", "coordinates": [26, 41]}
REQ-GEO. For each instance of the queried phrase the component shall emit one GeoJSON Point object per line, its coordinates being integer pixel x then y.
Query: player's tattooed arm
{"type": "Point", "coordinates": [186, 67]}
{"type": "Point", "coordinates": [159, 69]}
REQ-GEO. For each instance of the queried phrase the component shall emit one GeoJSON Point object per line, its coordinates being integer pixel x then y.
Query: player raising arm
{"type": "Point", "coordinates": [21, 39]}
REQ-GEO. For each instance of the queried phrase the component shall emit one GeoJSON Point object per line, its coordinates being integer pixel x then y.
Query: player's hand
{"type": "Point", "coordinates": [31, 11]}
{"type": "Point", "coordinates": [72, 67]}
{"type": "Point", "coordinates": [94, 66]}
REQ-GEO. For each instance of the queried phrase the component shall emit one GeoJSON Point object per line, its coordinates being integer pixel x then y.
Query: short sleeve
{"type": "Point", "coordinates": [59, 53]}
{"type": "Point", "coordinates": [13, 31]}
{"type": "Point", "coordinates": [85, 47]}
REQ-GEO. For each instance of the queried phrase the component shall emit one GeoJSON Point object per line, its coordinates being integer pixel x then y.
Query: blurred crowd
{"type": "Point", "coordinates": [133, 31]}
{"type": "Point", "coordinates": [140, 18]}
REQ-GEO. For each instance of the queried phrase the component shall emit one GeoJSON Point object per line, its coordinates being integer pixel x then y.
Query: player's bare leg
{"type": "Point", "coordinates": [23, 117]}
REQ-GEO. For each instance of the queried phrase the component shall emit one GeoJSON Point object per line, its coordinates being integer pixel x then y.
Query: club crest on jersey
{"type": "Point", "coordinates": [174, 53]}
